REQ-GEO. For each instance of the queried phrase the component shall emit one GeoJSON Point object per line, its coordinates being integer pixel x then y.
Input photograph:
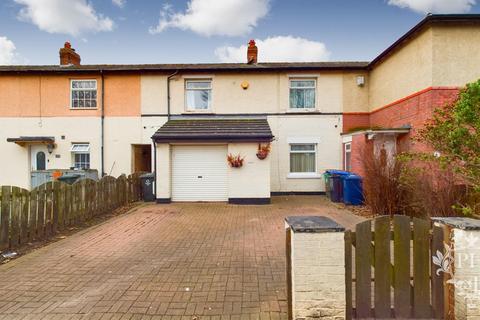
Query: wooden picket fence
{"type": "Point", "coordinates": [389, 270]}
{"type": "Point", "coordinates": [27, 216]}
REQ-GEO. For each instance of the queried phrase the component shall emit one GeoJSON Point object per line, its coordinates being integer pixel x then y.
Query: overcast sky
{"type": "Point", "coordinates": [191, 31]}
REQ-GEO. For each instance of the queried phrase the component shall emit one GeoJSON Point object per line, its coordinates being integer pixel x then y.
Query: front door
{"type": "Point", "coordinates": [38, 157]}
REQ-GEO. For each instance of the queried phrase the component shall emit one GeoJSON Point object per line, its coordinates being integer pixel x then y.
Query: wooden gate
{"type": "Point", "coordinates": [390, 273]}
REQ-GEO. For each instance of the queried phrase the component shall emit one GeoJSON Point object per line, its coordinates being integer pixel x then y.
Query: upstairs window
{"type": "Point", "coordinates": [83, 94]}
{"type": "Point", "coordinates": [81, 155]}
{"type": "Point", "coordinates": [302, 94]}
{"type": "Point", "coordinates": [198, 95]}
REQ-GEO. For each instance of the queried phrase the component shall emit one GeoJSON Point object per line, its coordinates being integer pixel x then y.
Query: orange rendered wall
{"type": "Point", "coordinates": [49, 96]}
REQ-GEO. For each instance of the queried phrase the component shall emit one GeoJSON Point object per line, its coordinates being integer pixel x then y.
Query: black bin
{"type": "Point", "coordinates": [147, 186]}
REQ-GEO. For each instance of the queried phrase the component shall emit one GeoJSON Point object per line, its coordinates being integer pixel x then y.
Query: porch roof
{"type": "Point", "coordinates": [214, 130]}
{"type": "Point", "coordinates": [402, 130]}
{"type": "Point", "coordinates": [23, 140]}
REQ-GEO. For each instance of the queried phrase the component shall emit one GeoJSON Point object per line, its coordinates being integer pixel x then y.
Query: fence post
{"type": "Point", "coordinates": [460, 260]}
{"type": "Point", "coordinates": [316, 268]}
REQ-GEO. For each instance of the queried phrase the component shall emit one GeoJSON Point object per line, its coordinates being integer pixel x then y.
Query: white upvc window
{"type": "Point", "coordinates": [198, 94]}
{"type": "Point", "coordinates": [83, 94]}
{"type": "Point", "coordinates": [302, 94]}
{"type": "Point", "coordinates": [303, 160]}
{"type": "Point", "coordinates": [80, 155]}
{"type": "Point", "coordinates": [347, 156]}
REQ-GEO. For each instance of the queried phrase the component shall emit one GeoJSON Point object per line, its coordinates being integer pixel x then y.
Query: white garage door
{"type": "Point", "coordinates": [199, 173]}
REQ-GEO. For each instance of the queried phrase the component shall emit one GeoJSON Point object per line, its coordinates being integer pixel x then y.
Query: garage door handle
{"type": "Point", "coordinates": [200, 177]}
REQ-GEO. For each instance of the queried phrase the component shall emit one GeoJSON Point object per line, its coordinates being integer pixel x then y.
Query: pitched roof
{"type": "Point", "coordinates": [245, 67]}
{"type": "Point", "coordinates": [198, 67]}
{"type": "Point", "coordinates": [225, 130]}
{"type": "Point", "coordinates": [427, 21]}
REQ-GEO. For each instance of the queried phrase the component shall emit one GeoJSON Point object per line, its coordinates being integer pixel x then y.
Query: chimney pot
{"type": "Point", "coordinates": [252, 52]}
{"type": "Point", "coordinates": [68, 56]}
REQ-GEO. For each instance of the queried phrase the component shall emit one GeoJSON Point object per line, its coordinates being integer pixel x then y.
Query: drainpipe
{"type": "Point", "coordinates": [155, 168]}
{"type": "Point", "coordinates": [102, 142]}
{"type": "Point", "coordinates": [168, 92]}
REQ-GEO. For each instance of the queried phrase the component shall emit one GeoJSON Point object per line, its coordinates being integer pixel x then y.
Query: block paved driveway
{"type": "Point", "coordinates": [176, 261]}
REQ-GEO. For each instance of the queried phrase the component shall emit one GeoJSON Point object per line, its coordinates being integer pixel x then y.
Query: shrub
{"type": "Point", "coordinates": [431, 191]}
{"type": "Point", "coordinates": [382, 187]}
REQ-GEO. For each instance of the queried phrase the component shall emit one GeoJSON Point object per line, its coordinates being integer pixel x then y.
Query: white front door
{"type": "Point", "coordinates": [199, 173]}
{"type": "Point", "coordinates": [38, 157]}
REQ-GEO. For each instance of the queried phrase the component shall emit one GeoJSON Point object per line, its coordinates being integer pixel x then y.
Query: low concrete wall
{"type": "Point", "coordinates": [317, 268]}
{"type": "Point", "coordinates": [464, 267]}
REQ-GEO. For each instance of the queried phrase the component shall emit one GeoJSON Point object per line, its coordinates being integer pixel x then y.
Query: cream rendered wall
{"type": "Point", "coordinates": [15, 160]}
{"type": "Point", "coordinates": [407, 70]}
{"type": "Point", "coordinates": [253, 179]}
{"type": "Point", "coordinates": [330, 93]}
{"type": "Point", "coordinates": [164, 172]}
{"type": "Point", "coordinates": [267, 92]}
{"type": "Point", "coordinates": [455, 55]}
{"type": "Point", "coordinates": [153, 94]}
{"type": "Point", "coordinates": [120, 134]}
{"type": "Point", "coordinates": [323, 129]}
{"type": "Point", "coordinates": [355, 98]}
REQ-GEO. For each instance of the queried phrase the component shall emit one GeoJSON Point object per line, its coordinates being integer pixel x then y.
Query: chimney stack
{"type": "Point", "coordinates": [252, 52]}
{"type": "Point", "coordinates": [68, 56]}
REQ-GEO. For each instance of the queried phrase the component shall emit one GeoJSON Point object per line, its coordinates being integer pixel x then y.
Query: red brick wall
{"type": "Point", "coordinates": [359, 147]}
{"type": "Point", "coordinates": [412, 111]}
{"type": "Point", "coordinates": [355, 120]}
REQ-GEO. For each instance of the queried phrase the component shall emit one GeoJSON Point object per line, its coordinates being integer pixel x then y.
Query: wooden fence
{"type": "Point", "coordinates": [27, 216]}
{"type": "Point", "coordinates": [390, 273]}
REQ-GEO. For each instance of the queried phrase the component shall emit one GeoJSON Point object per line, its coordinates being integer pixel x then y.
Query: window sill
{"type": "Point", "coordinates": [305, 175]}
{"type": "Point", "coordinates": [71, 108]}
{"type": "Point", "coordinates": [198, 111]}
{"type": "Point", "coordinates": [301, 110]}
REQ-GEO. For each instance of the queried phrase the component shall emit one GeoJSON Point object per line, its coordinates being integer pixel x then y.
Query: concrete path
{"type": "Point", "coordinates": [177, 261]}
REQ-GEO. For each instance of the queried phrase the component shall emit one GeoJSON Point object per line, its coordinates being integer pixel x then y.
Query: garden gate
{"type": "Point", "coordinates": [389, 269]}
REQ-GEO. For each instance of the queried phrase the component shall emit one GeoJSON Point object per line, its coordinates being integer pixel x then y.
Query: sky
{"type": "Point", "coordinates": [196, 31]}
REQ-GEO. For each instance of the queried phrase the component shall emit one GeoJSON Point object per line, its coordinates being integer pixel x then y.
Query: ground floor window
{"type": "Point", "coordinates": [81, 155]}
{"type": "Point", "coordinates": [347, 156]}
{"type": "Point", "coordinates": [303, 157]}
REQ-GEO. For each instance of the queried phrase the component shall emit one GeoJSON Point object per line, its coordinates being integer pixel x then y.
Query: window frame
{"type": "Point", "coordinates": [86, 150]}
{"type": "Point", "coordinates": [293, 79]}
{"type": "Point", "coordinates": [345, 151]}
{"type": "Point", "coordinates": [186, 89]}
{"type": "Point", "coordinates": [76, 89]}
{"type": "Point", "coordinates": [303, 175]}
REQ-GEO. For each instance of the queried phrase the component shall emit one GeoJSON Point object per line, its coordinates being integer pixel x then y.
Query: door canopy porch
{"type": "Point", "coordinates": [25, 140]}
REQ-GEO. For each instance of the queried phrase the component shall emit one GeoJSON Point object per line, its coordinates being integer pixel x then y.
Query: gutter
{"type": "Point", "coordinates": [102, 139]}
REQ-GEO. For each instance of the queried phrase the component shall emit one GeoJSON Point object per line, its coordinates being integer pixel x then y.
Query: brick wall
{"type": "Point", "coordinates": [355, 121]}
{"type": "Point", "coordinates": [412, 111]}
{"type": "Point", "coordinates": [359, 147]}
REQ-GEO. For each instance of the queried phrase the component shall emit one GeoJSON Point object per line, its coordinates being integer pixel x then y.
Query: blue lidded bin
{"type": "Point", "coordinates": [335, 184]}
{"type": "Point", "coordinates": [352, 190]}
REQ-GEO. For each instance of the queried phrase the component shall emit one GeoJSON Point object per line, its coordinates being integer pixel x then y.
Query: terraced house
{"type": "Point", "coordinates": [182, 121]}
